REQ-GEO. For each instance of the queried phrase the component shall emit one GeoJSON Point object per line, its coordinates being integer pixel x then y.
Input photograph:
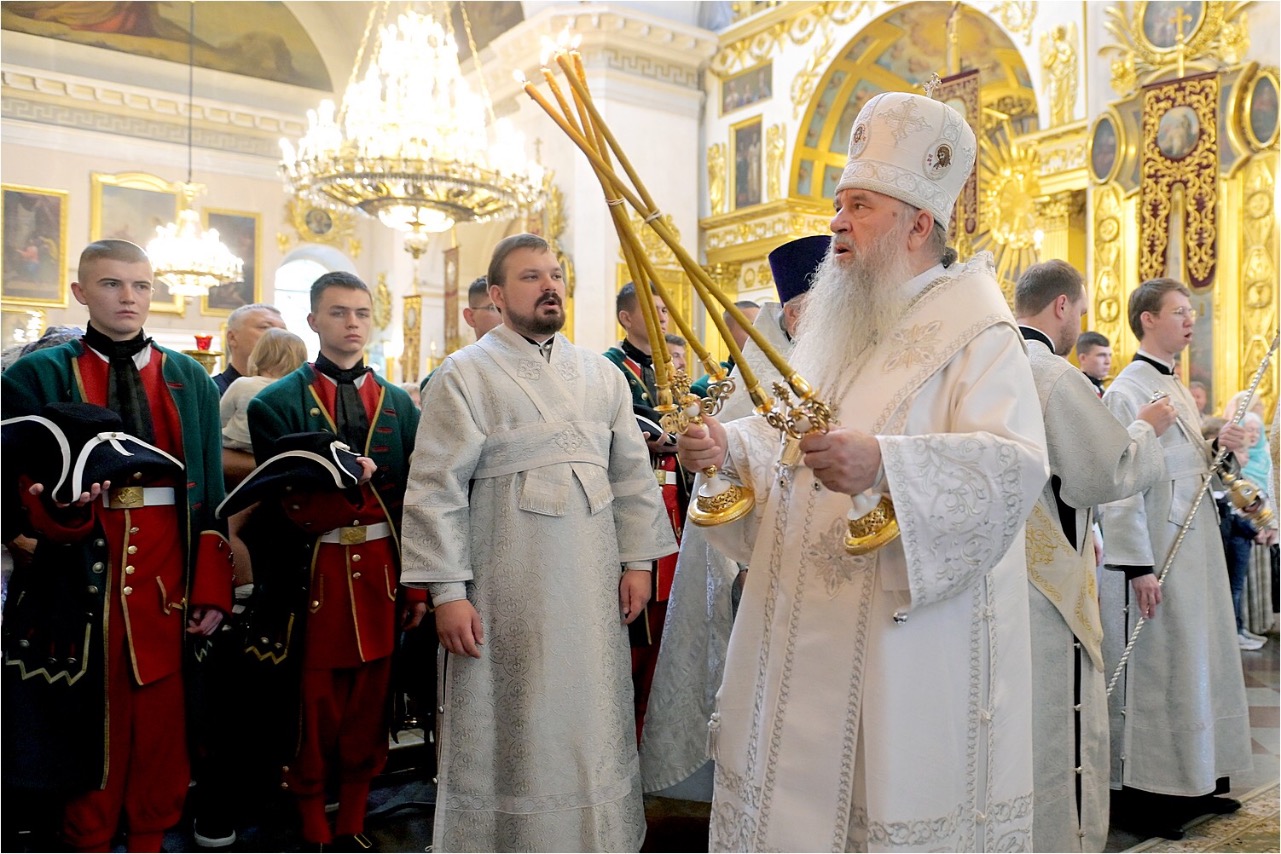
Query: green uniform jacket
{"type": "Point", "coordinates": [640, 394]}
{"type": "Point", "coordinates": [54, 718]}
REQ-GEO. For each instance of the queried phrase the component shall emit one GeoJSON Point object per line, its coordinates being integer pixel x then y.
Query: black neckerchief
{"type": "Point", "coordinates": [1164, 369]}
{"type": "Point", "coordinates": [1098, 384]}
{"type": "Point", "coordinates": [349, 410]}
{"type": "Point", "coordinates": [125, 393]}
{"type": "Point", "coordinates": [646, 362]}
{"type": "Point", "coordinates": [1031, 333]}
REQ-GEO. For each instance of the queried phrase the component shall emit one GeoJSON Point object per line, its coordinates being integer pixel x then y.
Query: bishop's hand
{"type": "Point", "coordinates": [701, 447]}
{"type": "Point", "coordinates": [843, 460]}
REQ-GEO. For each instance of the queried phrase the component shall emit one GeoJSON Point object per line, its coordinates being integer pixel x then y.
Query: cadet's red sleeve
{"type": "Point", "coordinates": [54, 524]}
{"type": "Point", "coordinates": [212, 585]}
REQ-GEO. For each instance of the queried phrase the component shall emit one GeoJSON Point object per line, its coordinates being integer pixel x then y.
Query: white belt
{"type": "Point", "coordinates": [131, 497]}
{"type": "Point", "coordinates": [354, 535]}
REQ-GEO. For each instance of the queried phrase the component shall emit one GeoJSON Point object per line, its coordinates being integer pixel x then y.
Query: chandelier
{"type": "Point", "coordinates": [411, 144]}
{"type": "Point", "coordinates": [187, 258]}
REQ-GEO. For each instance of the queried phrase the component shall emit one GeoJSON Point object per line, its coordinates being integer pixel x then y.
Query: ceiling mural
{"type": "Point", "coordinates": [255, 39]}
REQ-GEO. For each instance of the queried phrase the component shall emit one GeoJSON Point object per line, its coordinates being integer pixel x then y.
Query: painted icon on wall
{"type": "Point", "coordinates": [34, 225]}
{"type": "Point", "coordinates": [747, 163]}
{"type": "Point", "coordinates": [1104, 149]}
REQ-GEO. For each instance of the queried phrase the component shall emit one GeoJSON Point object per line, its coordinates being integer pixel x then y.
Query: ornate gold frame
{"type": "Point", "coordinates": [64, 203]}
{"type": "Point", "coordinates": [1247, 129]}
{"type": "Point", "coordinates": [732, 201]}
{"type": "Point", "coordinates": [1118, 126]}
{"type": "Point", "coordinates": [134, 181]}
{"type": "Point", "coordinates": [413, 330]}
{"type": "Point", "coordinates": [724, 81]}
{"type": "Point", "coordinates": [205, 310]}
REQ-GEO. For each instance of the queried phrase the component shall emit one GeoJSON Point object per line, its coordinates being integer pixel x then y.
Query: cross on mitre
{"type": "Point", "coordinates": [930, 85]}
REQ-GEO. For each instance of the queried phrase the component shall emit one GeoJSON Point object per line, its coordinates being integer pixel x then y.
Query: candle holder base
{"type": "Point", "coordinates": [732, 504]}
{"type": "Point", "coordinates": [873, 529]}
{"type": "Point", "coordinates": [208, 359]}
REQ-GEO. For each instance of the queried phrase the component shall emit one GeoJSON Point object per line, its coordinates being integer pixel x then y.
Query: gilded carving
{"type": "Point", "coordinates": [805, 81]}
{"type": "Point", "coordinates": [775, 149]}
{"type": "Point", "coordinates": [1109, 273]}
{"type": "Point", "coordinates": [1010, 178]}
{"type": "Point", "coordinates": [1180, 149]}
{"type": "Point", "coordinates": [382, 303]}
{"type": "Point", "coordinates": [1157, 36]}
{"type": "Point", "coordinates": [1258, 274]}
{"type": "Point", "coordinates": [757, 46]}
{"type": "Point", "coordinates": [1017, 17]}
{"type": "Point", "coordinates": [1059, 61]}
{"type": "Point", "coordinates": [716, 177]}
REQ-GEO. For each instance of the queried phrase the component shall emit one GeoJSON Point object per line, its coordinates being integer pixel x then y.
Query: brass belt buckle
{"type": "Point", "coordinates": [125, 498]}
{"type": "Point", "coordinates": [353, 536]}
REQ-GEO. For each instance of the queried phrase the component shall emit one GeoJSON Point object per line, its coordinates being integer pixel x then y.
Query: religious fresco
{"type": "Point", "coordinates": [1166, 24]}
{"type": "Point", "coordinates": [253, 38]}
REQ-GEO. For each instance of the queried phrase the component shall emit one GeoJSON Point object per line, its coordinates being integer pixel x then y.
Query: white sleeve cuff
{"type": "Point", "coordinates": [446, 591]}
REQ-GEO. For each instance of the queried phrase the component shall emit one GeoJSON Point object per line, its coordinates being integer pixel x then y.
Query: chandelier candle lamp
{"type": "Point", "coordinates": [412, 145]}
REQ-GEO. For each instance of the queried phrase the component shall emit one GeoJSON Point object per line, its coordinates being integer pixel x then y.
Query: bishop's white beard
{"type": "Point", "coordinates": [850, 307]}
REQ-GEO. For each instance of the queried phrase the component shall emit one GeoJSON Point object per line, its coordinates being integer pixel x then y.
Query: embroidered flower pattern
{"type": "Point", "coordinates": [567, 370]}
{"type": "Point", "coordinates": [529, 369]}
{"type": "Point", "coordinates": [568, 441]}
{"type": "Point", "coordinates": [916, 345]}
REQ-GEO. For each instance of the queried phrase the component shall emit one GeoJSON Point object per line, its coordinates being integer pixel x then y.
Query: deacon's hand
{"type": "Point", "coordinates": [700, 447]}
{"type": "Point", "coordinates": [843, 460]}
{"type": "Point", "coordinates": [203, 621]}
{"type": "Point", "coordinates": [367, 468]}
{"type": "Point", "coordinates": [1232, 437]}
{"type": "Point", "coordinates": [459, 628]}
{"type": "Point", "coordinates": [1147, 593]}
{"type": "Point", "coordinates": [85, 497]}
{"type": "Point", "coordinates": [1159, 413]}
{"type": "Point", "coordinates": [633, 593]}
{"type": "Point", "coordinates": [411, 614]}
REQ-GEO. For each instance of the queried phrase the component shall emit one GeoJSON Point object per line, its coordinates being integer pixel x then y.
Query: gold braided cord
{"type": "Point", "coordinates": [377, 13]}
{"type": "Point", "coordinates": [475, 60]}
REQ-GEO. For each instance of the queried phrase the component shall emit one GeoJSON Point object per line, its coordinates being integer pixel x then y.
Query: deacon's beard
{"type": "Point", "coordinates": [535, 324]}
{"type": "Point", "coordinates": [851, 306]}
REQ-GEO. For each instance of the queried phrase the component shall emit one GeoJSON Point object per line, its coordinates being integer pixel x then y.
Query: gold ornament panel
{"type": "Point", "coordinates": [1180, 163]}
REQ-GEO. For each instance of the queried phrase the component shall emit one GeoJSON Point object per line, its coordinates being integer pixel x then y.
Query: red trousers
{"type": "Point", "coordinates": [148, 770]}
{"type": "Point", "coordinates": [344, 735]}
{"type": "Point", "coordinates": [645, 660]}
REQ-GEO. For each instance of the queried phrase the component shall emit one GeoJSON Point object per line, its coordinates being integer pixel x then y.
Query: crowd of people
{"type": "Point", "coordinates": [1045, 644]}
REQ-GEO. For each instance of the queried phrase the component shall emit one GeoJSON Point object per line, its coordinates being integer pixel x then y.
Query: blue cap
{"type": "Point", "coordinates": [793, 264]}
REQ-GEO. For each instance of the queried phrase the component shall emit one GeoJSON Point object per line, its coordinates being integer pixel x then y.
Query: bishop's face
{"type": "Point", "coordinates": [532, 295]}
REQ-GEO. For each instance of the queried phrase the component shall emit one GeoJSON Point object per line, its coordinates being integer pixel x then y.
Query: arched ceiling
{"type": "Point", "coordinates": [897, 53]}
{"type": "Point", "coordinates": [310, 44]}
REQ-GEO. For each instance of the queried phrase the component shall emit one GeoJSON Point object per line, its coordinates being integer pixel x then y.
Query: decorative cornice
{"type": "Point", "coordinates": [46, 97]}
{"type": "Point", "coordinates": [750, 233]}
{"type": "Point", "coordinates": [633, 44]}
{"type": "Point", "coordinates": [1063, 153]}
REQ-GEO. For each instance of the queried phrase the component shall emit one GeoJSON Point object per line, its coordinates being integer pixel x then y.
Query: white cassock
{"type": "Point", "coordinates": [839, 726]}
{"type": "Point", "coordinates": [529, 480]}
{"type": "Point", "coordinates": [1178, 715]}
{"type": "Point", "coordinates": [1093, 459]}
{"type": "Point", "coordinates": [696, 631]}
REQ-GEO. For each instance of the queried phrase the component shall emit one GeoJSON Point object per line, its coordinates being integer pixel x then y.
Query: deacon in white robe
{"type": "Point", "coordinates": [699, 614]}
{"type": "Point", "coordinates": [882, 701]}
{"type": "Point", "coordinates": [1179, 717]}
{"type": "Point", "coordinates": [1093, 459]}
{"type": "Point", "coordinates": [529, 493]}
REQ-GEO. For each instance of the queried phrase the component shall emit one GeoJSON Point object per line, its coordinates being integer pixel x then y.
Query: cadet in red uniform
{"type": "Point", "coordinates": [634, 357]}
{"type": "Point", "coordinates": [351, 620]}
{"type": "Point", "coordinates": [128, 569]}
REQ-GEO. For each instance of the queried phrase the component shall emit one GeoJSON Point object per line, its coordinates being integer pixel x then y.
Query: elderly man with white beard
{"type": "Point", "coordinates": [881, 701]}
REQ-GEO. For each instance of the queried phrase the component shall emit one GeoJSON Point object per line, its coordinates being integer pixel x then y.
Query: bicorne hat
{"type": "Point", "coordinates": [69, 447]}
{"type": "Point", "coordinates": [310, 462]}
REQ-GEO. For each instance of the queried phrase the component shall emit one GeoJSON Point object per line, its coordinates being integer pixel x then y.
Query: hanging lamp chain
{"type": "Point", "coordinates": [191, 84]}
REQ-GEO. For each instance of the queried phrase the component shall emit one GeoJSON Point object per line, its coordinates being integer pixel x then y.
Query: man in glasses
{"type": "Point", "coordinates": [1178, 713]}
